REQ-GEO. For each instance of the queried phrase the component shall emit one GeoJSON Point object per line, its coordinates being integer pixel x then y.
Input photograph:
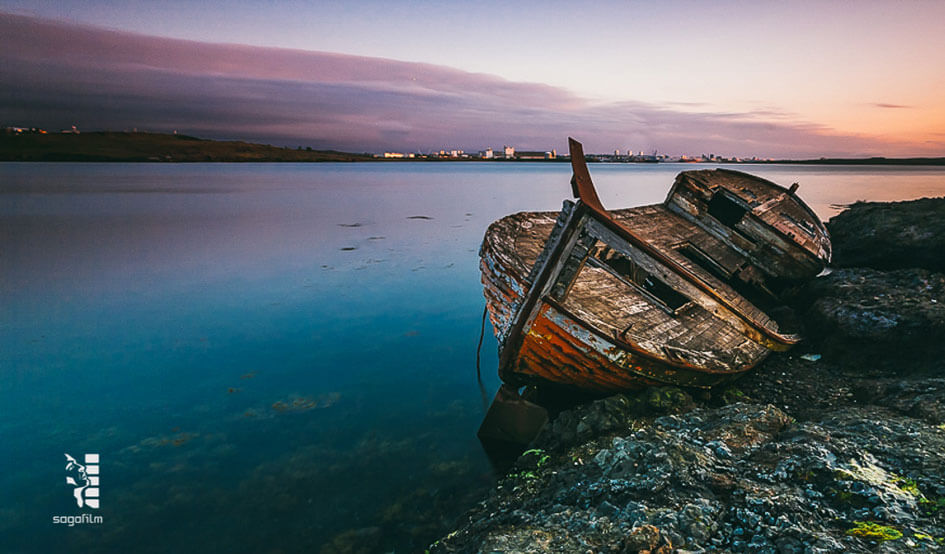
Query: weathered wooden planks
{"type": "Point", "coordinates": [671, 293]}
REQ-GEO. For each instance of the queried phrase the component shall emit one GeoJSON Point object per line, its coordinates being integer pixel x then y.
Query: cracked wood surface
{"type": "Point", "coordinates": [609, 333]}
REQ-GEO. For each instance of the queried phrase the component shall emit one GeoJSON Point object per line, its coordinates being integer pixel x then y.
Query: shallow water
{"type": "Point", "coordinates": [271, 357]}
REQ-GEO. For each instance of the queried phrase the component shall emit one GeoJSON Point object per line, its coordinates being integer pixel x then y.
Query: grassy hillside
{"type": "Point", "coordinates": [152, 147]}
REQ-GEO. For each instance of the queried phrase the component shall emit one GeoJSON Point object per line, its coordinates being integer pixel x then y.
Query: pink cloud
{"type": "Point", "coordinates": [57, 74]}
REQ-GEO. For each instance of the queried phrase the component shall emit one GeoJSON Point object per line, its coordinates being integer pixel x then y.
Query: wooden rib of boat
{"type": "Point", "coordinates": [675, 293]}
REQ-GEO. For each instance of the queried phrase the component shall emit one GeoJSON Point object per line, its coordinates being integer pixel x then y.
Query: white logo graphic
{"type": "Point", "coordinates": [84, 479]}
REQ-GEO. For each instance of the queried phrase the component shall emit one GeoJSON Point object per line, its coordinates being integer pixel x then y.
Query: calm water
{"type": "Point", "coordinates": [270, 358]}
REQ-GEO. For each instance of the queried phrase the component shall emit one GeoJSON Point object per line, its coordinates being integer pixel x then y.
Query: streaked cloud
{"type": "Point", "coordinates": [57, 74]}
{"type": "Point", "coordinates": [891, 106]}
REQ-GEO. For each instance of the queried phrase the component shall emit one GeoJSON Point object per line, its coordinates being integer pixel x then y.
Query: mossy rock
{"type": "Point", "coordinates": [732, 395]}
{"type": "Point", "coordinates": [874, 531]}
{"type": "Point", "coordinates": [669, 400]}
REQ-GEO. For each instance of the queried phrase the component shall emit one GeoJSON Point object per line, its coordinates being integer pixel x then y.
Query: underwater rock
{"type": "Point", "coordinates": [305, 403]}
{"type": "Point", "coordinates": [354, 541]}
{"type": "Point", "coordinates": [178, 438]}
{"type": "Point", "coordinates": [890, 235]}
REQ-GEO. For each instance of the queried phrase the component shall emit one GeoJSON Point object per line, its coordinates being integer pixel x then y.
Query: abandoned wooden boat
{"type": "Point", "coordinates": [675, 293]}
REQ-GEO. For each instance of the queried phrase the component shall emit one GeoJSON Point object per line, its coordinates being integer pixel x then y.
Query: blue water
{"type": "Point", "coordinates": [270, 357]}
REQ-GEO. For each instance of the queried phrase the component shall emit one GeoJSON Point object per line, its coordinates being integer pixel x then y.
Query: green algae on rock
{"type": "Point", "coordinates": [874, 531]}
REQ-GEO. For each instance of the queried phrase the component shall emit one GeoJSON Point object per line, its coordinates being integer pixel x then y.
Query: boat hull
{"type": "Point", "coordinates": [559, 348]}
{"type": "Point", "coordinates": [674, 293]}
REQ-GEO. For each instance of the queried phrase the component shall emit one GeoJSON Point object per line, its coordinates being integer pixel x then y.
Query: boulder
{"type": "Point", "coordinates": [878, 319]}
{"type": "Point", "coordinates": [890, 235]}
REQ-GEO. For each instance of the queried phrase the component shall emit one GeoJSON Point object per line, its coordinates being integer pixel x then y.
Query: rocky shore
{"type": "Point", "coordinates": [836, 446]}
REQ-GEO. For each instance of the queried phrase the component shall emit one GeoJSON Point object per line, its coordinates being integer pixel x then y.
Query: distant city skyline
{"type": "Point", "coordinates": [736, 79]}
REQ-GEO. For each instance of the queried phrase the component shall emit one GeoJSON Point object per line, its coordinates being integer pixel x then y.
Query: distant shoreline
{"type": "Point", "coordinates": [153, 147]}
{"type": "Point", "coordinates": [126, 147]}
{"type": "Point", "coordinates": [863, 161]}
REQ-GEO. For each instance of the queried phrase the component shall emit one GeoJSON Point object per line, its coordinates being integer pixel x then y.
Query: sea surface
{"type": "Point", "coordinates": [272, 357]}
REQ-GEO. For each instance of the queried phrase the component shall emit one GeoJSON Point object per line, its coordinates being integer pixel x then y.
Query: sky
{"type": "Point", "coordinates": [771, 79]}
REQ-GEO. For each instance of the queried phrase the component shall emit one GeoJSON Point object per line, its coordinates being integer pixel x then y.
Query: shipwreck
{"type": "Point", "coordinates": [680, 293]}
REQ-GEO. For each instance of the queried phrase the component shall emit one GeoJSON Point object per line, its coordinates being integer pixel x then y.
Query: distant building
{"type": "Point", "coordinates": [393, 155]}
{"type": "Point", "coordinates": [509, 151]}
{"type": "Point", "coordinates": [488, 154]}
{"type": "Point", "coordinates": [533, 155]}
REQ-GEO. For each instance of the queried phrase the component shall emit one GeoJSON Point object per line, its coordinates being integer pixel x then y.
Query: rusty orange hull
{"type": "Point", "coordinates": [560, 349]}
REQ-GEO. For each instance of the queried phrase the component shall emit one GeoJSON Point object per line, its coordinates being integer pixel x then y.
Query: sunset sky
{"type": "Point", "coordinates": [731, 78]}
